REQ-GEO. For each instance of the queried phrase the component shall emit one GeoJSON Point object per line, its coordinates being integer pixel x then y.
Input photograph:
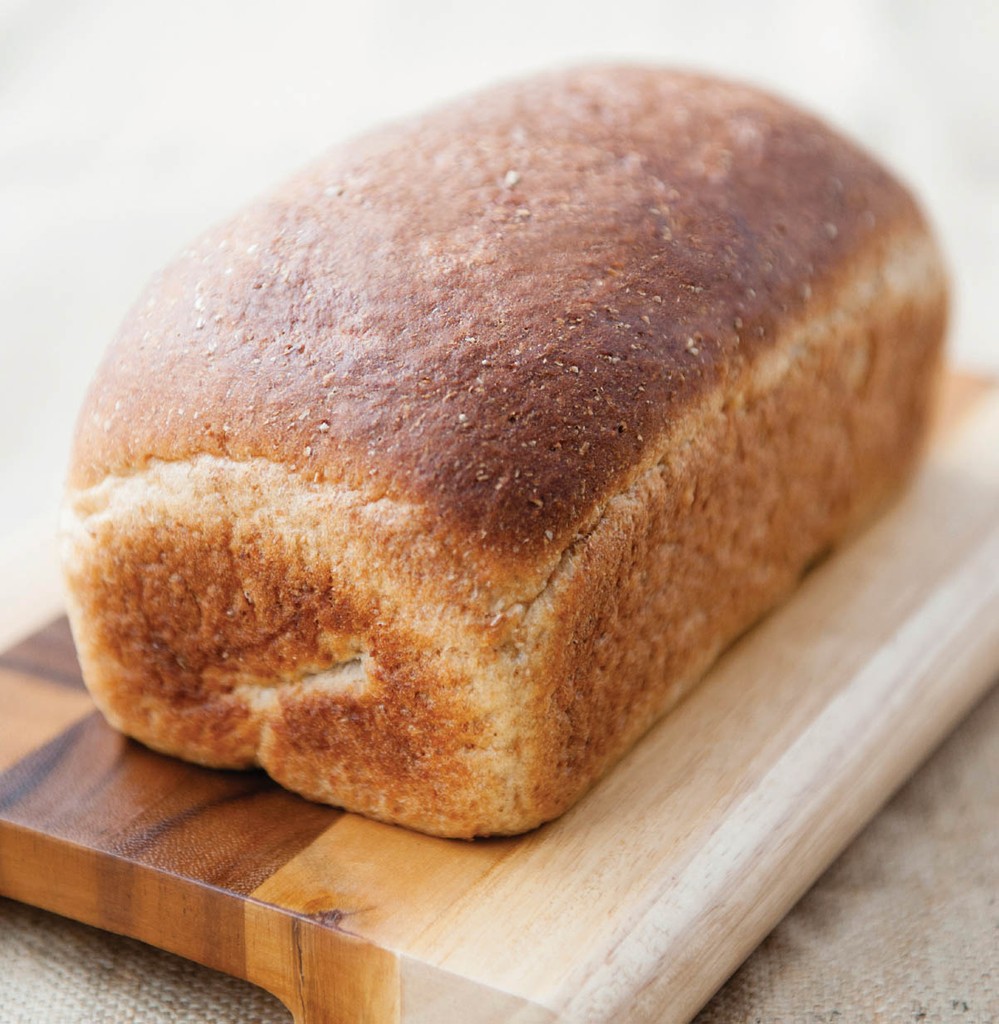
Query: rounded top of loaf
{"type": "Point", "coordinates": [496, 311]}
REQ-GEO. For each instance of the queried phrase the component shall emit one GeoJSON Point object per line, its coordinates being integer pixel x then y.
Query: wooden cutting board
{"type": "Point", "coordinates": [637, 904]}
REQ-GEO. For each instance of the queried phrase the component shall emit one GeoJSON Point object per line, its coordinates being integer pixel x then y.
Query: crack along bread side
{"type": "Point", "coordinates": [227, 614]}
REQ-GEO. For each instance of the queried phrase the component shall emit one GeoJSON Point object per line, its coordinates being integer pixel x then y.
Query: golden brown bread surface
{"type": "Point", "coordinates": [432, 478]}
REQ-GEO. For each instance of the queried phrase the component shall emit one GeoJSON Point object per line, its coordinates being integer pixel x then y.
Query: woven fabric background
{"type": "Point", "coordinates": [903, 927]}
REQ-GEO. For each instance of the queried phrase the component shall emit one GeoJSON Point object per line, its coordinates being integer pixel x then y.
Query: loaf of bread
{"type": "Point", "coordinates": [429, 481]}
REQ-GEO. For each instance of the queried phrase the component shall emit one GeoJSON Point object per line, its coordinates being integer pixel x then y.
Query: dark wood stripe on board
{"type": "Point", "coordinates": [92, 787]}
{"type": "Point", "coordinates": [48, 654]}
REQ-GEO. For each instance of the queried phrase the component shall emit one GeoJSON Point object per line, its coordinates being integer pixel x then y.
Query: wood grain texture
{"type": "Point", "coordinates": [634, 906]}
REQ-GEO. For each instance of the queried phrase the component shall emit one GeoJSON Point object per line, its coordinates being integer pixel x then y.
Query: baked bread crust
{"type": "Point", "coordinates": [432, 479]}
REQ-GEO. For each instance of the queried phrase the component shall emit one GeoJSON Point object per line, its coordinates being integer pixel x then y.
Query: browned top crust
{"type": "Point", "coordinates": [496, 309]}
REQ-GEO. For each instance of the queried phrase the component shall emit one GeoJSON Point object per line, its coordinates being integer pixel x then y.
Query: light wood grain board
{"type": "Point", "coordinates": [637, 904]}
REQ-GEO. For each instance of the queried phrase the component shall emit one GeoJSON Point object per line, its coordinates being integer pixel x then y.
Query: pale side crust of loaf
{"type": "Point", "coordinates": [233, 613]}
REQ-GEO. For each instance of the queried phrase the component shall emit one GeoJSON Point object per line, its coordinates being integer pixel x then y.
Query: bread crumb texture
{"type": "Point", "coordinates": [430, 480]}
